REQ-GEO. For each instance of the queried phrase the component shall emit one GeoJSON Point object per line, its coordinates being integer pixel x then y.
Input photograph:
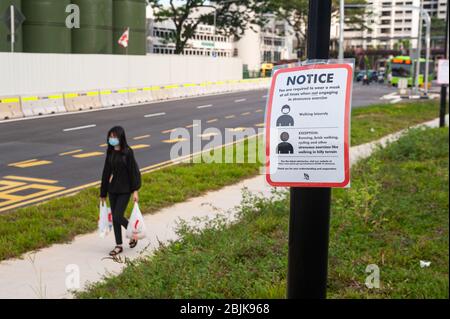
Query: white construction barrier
{"type": "Point", "coordinates": [79, 101]}
{"type": "Point", "coordinates": [42, 105]}
{"type": "Point", "coordinates": [116, 97]}
{"type": "Point", "coordinates": [10, 108]}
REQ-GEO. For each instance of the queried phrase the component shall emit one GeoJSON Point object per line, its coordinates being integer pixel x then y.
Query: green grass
{"type": "Point", "coordinates": [60, 220]}
{"type": "Point", "coordinates": [395, 215]}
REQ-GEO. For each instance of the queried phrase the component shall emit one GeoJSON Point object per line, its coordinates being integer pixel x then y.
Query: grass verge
{"type": "Point", "coordinates": [60, 220]}
{"type": "Point", "coordinates": [395, 215]}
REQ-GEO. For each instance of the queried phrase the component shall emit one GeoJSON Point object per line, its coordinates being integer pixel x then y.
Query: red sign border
{"type": "Point", "coordinates": [346, 126]}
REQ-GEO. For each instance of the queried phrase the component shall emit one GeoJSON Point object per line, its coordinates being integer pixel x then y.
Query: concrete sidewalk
{"type": "Point", "coordinates": [44, 274]}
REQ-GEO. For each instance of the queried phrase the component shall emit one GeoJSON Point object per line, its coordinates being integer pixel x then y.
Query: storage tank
{"type": "Point", "coordinates": [44, 30]}
{"type": "Point", "coordinates": [5, 43]}
{"type": "Point", "coordinates": [130, 13]}
{"type": "Point", "coordinates": [96, 27]}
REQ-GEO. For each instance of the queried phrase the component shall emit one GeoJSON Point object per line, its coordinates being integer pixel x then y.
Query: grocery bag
{"type": "Point", "coordinates": [104, 220]}
{"type": "Point", "coordinates": [136, 226]}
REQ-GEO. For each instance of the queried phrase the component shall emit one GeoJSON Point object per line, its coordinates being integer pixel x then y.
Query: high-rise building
{"type": "Point", "coordinates": [388, 24]}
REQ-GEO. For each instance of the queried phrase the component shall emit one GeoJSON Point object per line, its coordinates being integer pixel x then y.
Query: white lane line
{"type": "Point", "coordinates": [154, 115]}
{"type": "Point", "coordinates": [79, 128]}
{"type": "Point", "coordinates": [240, 100]}
{"type": "Point", "coordinates": [204, 106]}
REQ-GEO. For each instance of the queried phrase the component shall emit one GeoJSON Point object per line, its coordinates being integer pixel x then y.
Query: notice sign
{"type": "Point", "coordinates": [442, 72]}
{"type": "Point", "coordinates": [308, 126]}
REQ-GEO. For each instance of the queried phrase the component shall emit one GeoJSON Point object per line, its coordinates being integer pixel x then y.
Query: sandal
{"type": "Point", "coordinates": [116, 251]}
{"type": "Point", "coordinates": [133, 243]}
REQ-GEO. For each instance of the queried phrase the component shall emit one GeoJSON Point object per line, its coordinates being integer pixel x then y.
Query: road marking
{"type": "Point", "coordinates": [103, 145]}
{"type": "Point", "coordinates": [395, 101]}
{"type": "Point", "coordinates": [168, 131]}
{"type": "Point", "coordinates": [175, 140]}
{"type": "Point", "coordinates": [204, 106]}
{"type": "Point", "coordinates": [9, 185]}
{"type": "Point", "coordinates": [212, 121]}
{"type": "Point", "coordinates": [86, 155]}
{"type": "Point", "coordinates": [260, 125]}
{"type": "Point", "coordinates": [230, 117]}
{"type": "Point", "coordinates": [140, 146]}
{"type": "Point", "coordinates": [148, 169]}
{"type": "Point", "coordinates": [240, 100]}
{"type": "Point", "coordinates": [30, 163]}
{"type": "Point", "coordinates": [192, 125]}
{"type": "Point", "coordinates": [137, 138]}
{"type": "Point", "coordinates": [208, 135]}
{"type": "Point", "coordinates": [246, 113]}
{"type": "Point", "coordinates": [10, 196]}
{"type": "Point", "coordinates": [71, 152]}
{"type": "Point", "coordinates": [259, 111]}
{"type": "Point", "coordinates": [31, 179]}
{"type": "Point", "coordinates": [154, 115]}
{"type": "Point", "coordinates": [264, 96]}
{"type": "Point", "coordinates": [79, 128]}
{"type": "Point", "coordinates": [237, 129]}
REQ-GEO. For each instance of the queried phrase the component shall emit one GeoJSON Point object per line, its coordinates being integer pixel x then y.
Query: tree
{"type": "Point", "coordinates": [232, 17]}
{"type": "Point", "coordinates": [295, 13]}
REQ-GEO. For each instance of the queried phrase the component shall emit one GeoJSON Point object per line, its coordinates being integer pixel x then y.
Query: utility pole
{"type": "Point", "coordinates": [443, 107]}
{"type": "Point", "coordinates": [310, 207]}
{"type": "Point", "coordinates": [13, 27]}
{"type": "Point", "coordinates": [341, 29]}
{"type": "Point", "coordinates": [419, 50]}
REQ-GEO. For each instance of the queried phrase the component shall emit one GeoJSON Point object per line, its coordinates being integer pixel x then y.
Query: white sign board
{"type": "Point", "coordinates": [308, 126]}
{"type": "Point", "coordinates": [442, 72]}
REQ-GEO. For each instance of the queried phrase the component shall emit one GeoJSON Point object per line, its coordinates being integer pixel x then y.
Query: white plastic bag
{"type": "Point", "coordinates": [136, 225]}
{"type": "Point", "coordinates": [104, 220]}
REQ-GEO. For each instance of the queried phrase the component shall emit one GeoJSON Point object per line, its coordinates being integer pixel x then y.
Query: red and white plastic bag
{"type": "Point", "coordinates": [104, 220]}
{"type": "Point", "coordinates": [136, 225]}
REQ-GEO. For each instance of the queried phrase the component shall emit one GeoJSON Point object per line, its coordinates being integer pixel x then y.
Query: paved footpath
{"type": "Point", "coordinates": [44, 274]}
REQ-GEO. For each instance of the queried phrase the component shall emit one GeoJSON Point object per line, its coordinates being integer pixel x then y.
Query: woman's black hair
{"type": "Point", "coordinates": [118, 132]}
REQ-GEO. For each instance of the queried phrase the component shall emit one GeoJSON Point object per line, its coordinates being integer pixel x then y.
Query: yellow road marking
{"type": "Point", "coordinates": [175, 140]}
{"type": "Point", "coordinates": [213, 121]}
{"type": "Point", "coordinates": [103, 145]}
{"type": "Point", "coordinates": [230, 117]}
{"type": "Point", "coordinates": [10, 198]}
{"type": "Point", "coordinates": [30, 163]}
{"type": "Point", "coordinates": [192, 125]}
{"type": "Point", "coordinates": [246, 113]}
{"type": "Point", "coordinates": [86, 155]}
{"type": "Point", "coordinates": [71, 152]}
{"type": "Point", "coordinates": [141, 137]}
{"type": "Point", "coordinates": [208, 135]}
{"type": "Point", "coordinates": [260, 124]}
{"type": "Point", "coordinates": [144, 170]}
{"type": "Point", "coordinates": [258, 110]}
{"type": "Point", "coordinates": [31, 179]}
{"type": "Point", "coordinates": [9, 184]}
{"type": "Point", "coordinates": [138, 147]}
{"type": "Point", "coordinates": [237, 129]}
{"type": "Point", "coordinates": [168, 131]}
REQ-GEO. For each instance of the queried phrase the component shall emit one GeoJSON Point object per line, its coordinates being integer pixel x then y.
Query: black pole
{"type": "Point", "coordinates": [444, 87]}
{"type": "Point", "coordinates": [310, 207]}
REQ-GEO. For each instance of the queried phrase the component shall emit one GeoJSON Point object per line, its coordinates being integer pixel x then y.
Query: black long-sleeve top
{"type": "Point", "coordinates": [120, 174]}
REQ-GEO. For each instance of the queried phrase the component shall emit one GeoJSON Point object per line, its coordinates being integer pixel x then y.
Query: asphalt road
{"type": "Point", "coordinates": [51, 156]}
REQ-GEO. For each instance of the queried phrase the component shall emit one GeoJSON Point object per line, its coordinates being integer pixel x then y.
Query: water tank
{"type": "Point", "coordinates": [95, 34]}
{"type": "Point", "coordinates": [130, 14]}
{"type": "Point", "coordinates": [45, 30]}
{"type": "Point", "coordinates": [5, 43]}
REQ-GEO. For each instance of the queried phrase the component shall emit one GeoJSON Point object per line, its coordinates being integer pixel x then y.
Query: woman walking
{"type": "Point", "coordinates": [121, 179]}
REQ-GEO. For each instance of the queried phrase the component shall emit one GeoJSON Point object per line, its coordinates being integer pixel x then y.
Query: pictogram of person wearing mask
{"type": "Point", "coordinates": [284, 147]}
{"type": "Point", "coordinates": [285, 119]}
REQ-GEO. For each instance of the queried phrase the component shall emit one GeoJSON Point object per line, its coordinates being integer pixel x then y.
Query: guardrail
{"type": "Point", "coordinates": [12, 107]}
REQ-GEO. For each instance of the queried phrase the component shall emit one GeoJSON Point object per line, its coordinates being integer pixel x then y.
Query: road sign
{"type": "Point", "coordinates": [443, 72]}
{"type": "Point", "coordinates": [308, 126]}
{"type": "Point", "coordinates": [19, 18]}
